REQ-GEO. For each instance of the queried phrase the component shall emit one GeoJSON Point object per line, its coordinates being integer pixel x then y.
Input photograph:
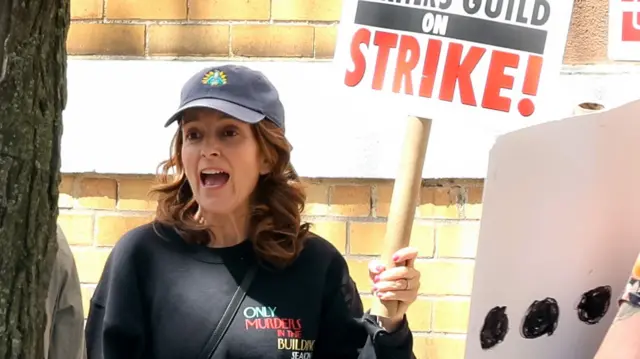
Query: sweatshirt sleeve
{"type": "Point", "coordinates": [67, 341]}
{"type": "Point", "coordinates": [347, 332]}
{"type": "Point", "coordinates": [115, 326]}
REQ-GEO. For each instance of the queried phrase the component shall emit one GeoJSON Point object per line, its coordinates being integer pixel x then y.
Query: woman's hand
{"type": "Point", "coordinates": [400, 283]}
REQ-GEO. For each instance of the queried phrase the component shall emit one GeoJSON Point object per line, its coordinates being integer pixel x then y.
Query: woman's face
{"type": "Point", "coordinates": [221, 160]}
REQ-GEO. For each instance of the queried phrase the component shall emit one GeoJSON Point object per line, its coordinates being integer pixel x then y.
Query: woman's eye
{"type": "Point", "coordinates": [230, 133]}
{"type": "Point", "coordinates": [191, 135]}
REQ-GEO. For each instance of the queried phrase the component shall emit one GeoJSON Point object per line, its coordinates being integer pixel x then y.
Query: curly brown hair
{"type": "Point", "coordinates": [276, 227]}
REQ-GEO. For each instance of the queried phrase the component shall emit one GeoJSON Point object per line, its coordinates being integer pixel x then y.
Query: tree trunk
{"type": "Point", "coordinates": [32, 96]}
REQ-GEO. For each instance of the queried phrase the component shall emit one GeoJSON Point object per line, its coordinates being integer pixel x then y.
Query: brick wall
{"type": "Point", "coordinates": [211, 28]}
{"type": "Point", "coordinates": [96, 210]}
{"type": "Point", "coordinates": [255, 28]}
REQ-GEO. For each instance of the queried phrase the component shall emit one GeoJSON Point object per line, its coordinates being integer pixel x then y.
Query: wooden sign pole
{"type": "Point", "coordinates": [404, 201]}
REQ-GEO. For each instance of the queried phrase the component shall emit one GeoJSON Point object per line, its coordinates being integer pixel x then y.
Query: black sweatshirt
{"type": "Point", "coordinates": [160, 298]}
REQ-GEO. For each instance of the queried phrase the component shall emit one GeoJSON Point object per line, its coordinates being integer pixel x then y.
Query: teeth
{"type": "Point", "coordinates": [212, 172]}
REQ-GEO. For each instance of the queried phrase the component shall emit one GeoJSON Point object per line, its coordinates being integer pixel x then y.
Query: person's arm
{"type": "Point", "coordinates": [346, 332]}
{"type": "Point", "coordinates": [621, 341]}
{"type": "Point", "coordinates": [67, 337]}
{"type": "Point", "coordinates": [116, 326]}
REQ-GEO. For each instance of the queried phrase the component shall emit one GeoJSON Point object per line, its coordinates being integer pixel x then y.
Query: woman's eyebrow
{"type": "Point", "coordinates": [185, 120]}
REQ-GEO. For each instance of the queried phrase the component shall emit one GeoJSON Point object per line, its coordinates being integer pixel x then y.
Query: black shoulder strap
{"type": "Point", "coordinates": [229, 314]}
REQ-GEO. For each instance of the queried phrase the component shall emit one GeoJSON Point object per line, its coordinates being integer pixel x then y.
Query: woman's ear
{"type": "Point", "coordinates": [265, 166]}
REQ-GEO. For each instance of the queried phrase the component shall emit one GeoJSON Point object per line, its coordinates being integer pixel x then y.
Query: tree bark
{"type": "Point", "coordinates": [32, 97]}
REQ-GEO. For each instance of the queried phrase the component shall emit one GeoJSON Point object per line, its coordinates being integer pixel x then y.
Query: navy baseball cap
{"type": "Point", "coordinates": [236, 90]}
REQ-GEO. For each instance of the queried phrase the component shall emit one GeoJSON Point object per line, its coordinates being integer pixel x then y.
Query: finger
{"type": "Point", "coordinates": [390, 286]}
{"type": "Point", "coordinates": [397, 273]}
{"type": "Point", "coordinates": [375, 267]}
{"type": "Point", "coordinates": [405, 256]}
{"type": "Point", "coordinates": [397, 285]}
{"type": "Point", "coordinates": [407, 296]}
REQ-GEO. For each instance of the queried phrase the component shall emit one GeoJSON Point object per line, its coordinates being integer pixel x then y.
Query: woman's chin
{"type": "Point", "coordinates": [216, 206]}
{"type": "Point", "coordinates": [216, 210]}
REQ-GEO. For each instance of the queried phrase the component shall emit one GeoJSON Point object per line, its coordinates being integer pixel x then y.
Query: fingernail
{"type": "Point", "coordinates": [376, 279]}
{"type": "Point", "coordinates": [379, 268]}
{"type": "Point", "coordinates": [396, 257]}
{"type": "Point", "coordinates": [379, 295]}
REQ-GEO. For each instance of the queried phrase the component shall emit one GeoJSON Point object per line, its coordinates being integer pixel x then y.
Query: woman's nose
{"type": "Point", "coordinates": [210, 153]}
{"type": "Point", "coordinates": [210, 149]}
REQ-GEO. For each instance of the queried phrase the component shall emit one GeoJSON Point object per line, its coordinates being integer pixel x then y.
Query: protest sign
{"type": "Point", "coordinates": [558, 237]}
{"type": "Point", "coordinates": [624, 30]}
{"type": "Point", "coordinates": [440, 58]}
{"type": "Point", "coordinates": [446, 59]}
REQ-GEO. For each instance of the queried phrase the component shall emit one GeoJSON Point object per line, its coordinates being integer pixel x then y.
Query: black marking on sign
{"type": "Point", "coordinates": [594, 304]}
{"type": "Point", "coordinates": [495, 328]}
{"type": "Point", "coordinates": [540, 319]}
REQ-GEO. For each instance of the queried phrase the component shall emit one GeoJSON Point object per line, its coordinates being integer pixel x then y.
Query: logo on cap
{"type": "Point", "coordinates": [215, 78]}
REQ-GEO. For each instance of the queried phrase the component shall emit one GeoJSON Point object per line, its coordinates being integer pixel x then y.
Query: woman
{"type": "Point", "coordinates": [230, 214]}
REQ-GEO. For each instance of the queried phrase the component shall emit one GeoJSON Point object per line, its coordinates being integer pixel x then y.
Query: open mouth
{"type": "Point", "coordinates": [211, 178]}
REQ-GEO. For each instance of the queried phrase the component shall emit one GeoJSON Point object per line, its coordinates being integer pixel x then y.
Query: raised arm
{"type": "Point", "coordinates": [621, 341]}
{"type": "Point", "coordinates": [347, 332]}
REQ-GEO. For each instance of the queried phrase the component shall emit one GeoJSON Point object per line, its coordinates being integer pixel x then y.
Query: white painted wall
{"type": "Point", "coordinates": [116, 110]}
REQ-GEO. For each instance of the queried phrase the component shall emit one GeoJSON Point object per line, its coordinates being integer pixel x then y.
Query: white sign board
{"type": "Point", "coordinates": [624, 30]}
{"type": "Point", "coordinates": [460, 58]}
{"type": "Point", "coordinates": [558, 238]}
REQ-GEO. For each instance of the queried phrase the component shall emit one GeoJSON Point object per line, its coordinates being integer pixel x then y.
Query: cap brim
{"type": "Point", "coordinates": [236, 111]}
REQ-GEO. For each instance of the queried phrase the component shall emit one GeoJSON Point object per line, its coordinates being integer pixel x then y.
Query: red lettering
{"type": "Point", "coordinates": [385, 41]}
{"type": "Point", "coordinates": [532, 75]}
{"type": "Point", "coordinates": [526, 107]}
{"type": "Point", "coordinates": [430, 68]}
{"type": "Point", "coordinates": [408, 45]}
{"type": "Point", "coordinates": [353, 78]}
{"type": "Point", "coordinates": [251, 323]}
{"type": "Point", "coordinates": [277, 323]}
{"type": "Point", "coordinates": [456, 70]}
{"type": "Point", "coordinates": [629, 31]}
{"type": "Point", "coordinates": [459, 72]}
{"type": "Point", "coordinates": [498, 80]}
{"type": "Point", "coordinates": [274, 324]}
